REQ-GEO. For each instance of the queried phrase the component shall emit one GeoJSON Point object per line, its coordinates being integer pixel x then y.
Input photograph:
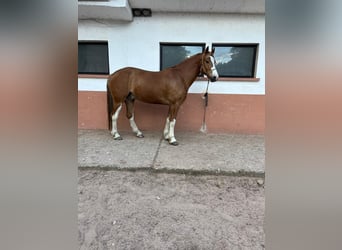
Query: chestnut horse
{"type": "Point", "coordinates": [168, 87]}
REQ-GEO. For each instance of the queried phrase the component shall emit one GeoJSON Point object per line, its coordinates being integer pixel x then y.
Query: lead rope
{"type": "Point", "coordinates": [206, 99]}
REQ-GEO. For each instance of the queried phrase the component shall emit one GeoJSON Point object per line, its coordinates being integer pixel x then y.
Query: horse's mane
{"type": "Point", "coordinates": [186, 60]}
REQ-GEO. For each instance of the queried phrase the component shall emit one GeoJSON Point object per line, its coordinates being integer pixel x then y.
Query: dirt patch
{"type": "Point", "coordinates": [143, 210]}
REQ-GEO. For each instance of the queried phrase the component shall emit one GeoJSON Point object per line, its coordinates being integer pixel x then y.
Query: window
{"type": "Point", "coordinates": [93, 58]}
{"type": "Point", "coordinates": [174, 53]}
{"type": "Point", "coordinates": [236, 60]}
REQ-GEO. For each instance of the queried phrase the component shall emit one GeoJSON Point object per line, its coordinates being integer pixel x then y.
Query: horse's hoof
{"type": "Point", "coordinates": [140, 136]}
{"type": "Point", "coordinates": [118, 138]}
{"type": "Point", "coordinates": [175, 143]}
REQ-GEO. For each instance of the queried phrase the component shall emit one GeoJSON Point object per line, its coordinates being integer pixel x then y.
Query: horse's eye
{"type": "Point", "coordinates": [207, 61]}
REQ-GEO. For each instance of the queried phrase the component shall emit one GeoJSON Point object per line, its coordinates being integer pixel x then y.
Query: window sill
{"type": "Point", "coordinates": [231, 79]}
{"type": "Point", "coordinates": [221, 79]}
{"type": "Point", "coordinates": [92, 76]}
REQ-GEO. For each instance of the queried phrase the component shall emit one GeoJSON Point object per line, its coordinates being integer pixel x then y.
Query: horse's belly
{"type": "Point", "coordinates": [151, 99]}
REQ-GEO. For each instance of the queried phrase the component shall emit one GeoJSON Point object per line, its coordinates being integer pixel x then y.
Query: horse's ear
{"type": "Point", "coordinates": [206, 49]}
{"type": "Point", "coordinates": [213, 51]}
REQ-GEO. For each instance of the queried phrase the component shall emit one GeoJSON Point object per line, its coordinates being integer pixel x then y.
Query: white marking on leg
{"type": "Point", "coordinates": [172, 131]}
{"type": "Point", "coordinates": [114, 131]}
{"type": "Point", "coordinates": [167, 129]}
{"type": "Point", "coordinates": [135, 127]}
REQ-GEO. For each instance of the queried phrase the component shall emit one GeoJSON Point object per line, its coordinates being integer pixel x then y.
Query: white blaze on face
{"type": "Point", "coordinates": [213, 68]}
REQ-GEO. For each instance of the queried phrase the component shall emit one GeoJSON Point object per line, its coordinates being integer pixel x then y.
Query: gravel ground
{"type": "Point", "coordinates": [146, 210]}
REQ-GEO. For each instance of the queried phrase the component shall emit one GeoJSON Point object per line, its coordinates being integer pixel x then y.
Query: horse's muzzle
{"type": "Point", "coordinates": [213, 79]}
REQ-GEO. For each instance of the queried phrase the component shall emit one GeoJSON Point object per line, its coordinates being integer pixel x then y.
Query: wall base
{"type": "Point", "coordinates": [243, 114]}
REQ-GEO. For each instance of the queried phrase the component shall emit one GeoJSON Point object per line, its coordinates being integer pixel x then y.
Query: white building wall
{"type": "Point", "coordinates": [136, 44]}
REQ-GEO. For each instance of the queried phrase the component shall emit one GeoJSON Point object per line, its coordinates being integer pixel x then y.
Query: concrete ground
{"type": "Point", "coordinates": [206, 193]}
{"type": "Point", "coordinates": [196, 152]}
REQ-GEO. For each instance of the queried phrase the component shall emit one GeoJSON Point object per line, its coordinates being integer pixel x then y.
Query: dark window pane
{"type": "Point", "coordinates": [93, 58]}
{"type": "Point", "coordinates": [172, 54]}
{"type": "Point", "coordinates": [235, 61]}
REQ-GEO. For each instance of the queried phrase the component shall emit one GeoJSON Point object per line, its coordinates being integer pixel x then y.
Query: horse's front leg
{"type": "Point", "coordinates": [172, 139]}
{"type": "Point", "coordinates": [167, 129]}
{"type": "Point", "coordinates": [170, 123]}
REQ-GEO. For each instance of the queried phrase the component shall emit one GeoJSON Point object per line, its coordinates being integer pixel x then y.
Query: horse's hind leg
{"type": "Point", "coordinates": [130, 115]}
{"type": "Point", "coordinates": [115, 115]}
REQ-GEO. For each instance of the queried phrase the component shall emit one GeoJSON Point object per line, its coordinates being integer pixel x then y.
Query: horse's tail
{"type": "Point", "coordinates": [109, 106]}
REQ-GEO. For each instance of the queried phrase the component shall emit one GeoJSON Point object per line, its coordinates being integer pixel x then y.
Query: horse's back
{"type": "Point", "coordinates": [134, 76]}
{"type": "Point", "coordinates": [147, 86]}
{"type": "Point", "coordinates": [125, 75]}
{"type": "Point", "coordinates": [119, 74]}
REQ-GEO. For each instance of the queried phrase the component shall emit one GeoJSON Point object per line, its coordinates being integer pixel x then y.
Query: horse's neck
{"type": "Point", "coordinates": [190, 69]}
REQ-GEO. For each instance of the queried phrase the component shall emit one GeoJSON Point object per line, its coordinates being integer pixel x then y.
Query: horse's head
{"type": "Point", "coordinates": [208, 65]}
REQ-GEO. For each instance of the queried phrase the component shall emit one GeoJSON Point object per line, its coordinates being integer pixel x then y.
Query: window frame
{"type": "Point", "coordinates": [255, 58]}
{"type": "Point", "coordinates": [96, 74]}
{"type": "Point", "coordinates": [175, 44]}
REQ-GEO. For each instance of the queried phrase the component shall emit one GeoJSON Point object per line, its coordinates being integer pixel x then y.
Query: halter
{"type": "Point", "coordinates": [212, 68]}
